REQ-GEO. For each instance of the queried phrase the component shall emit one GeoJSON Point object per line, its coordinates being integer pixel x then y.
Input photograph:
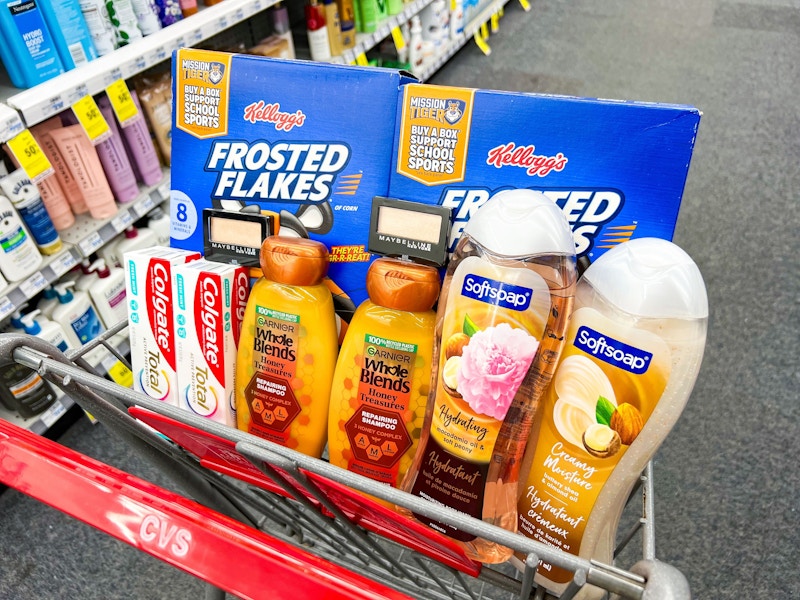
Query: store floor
{"type": "Point", "coordinates": [728, 476]}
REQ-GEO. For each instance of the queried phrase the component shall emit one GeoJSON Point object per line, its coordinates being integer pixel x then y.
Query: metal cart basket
{"type": "Point", "coordinates": [294, 526]}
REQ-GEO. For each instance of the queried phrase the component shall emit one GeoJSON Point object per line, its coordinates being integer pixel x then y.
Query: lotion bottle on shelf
{"type": "Point", "coordinates": [633, 350]}
{"type": "Point", "coordinates": [288, 346]}
{"type": "Point", "coordinates": [19, 256]}
{"type": "Point", "coordinates": [76, 315]}
{"type": "Point", "coordinates": [501, 319]}
{"type": "Point", "coordinates": [383, 372]}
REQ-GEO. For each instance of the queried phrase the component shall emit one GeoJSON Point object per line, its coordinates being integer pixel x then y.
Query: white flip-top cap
{"type": "Point", "coordinates": [521, 223]}
{"type": "Point", "coordinates": [652, 278]}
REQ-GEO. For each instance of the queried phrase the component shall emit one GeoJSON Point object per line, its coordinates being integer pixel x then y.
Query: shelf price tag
{"type": "Point", "coordinates": [121, 375]}
{"type": "Point", "coordinates": [361, 59]}
{"type": "Point", "coordinates": [30, 156]}
{"type": "Point", "coordinates": [481, 43]}
{"type": "Point", "coordinates": [33, 285]}
{"type": "Point", "coordinates": [91, 119]}
{"type": "Point", "coordinates": [53, 414]}
{"type": "Point", "coordinates": [495, 22]}
{"type": "Point", "coordinates": [399, 40]}
{"type": "Point", "coordinates": [526, 6]}
{"type": "Point", "coordinates": [122, 102]}
{"type": "Point", "coordinates": [6, 307]}
{"type": "Point", "coordinates": [90, 244]}
{"type": "Point", "coordinates": [485, 31]}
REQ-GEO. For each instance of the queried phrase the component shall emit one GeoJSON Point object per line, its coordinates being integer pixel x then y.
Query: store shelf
{"type": "Point", "coordinates": [81, 240]}
{"type": "Point", "coordinates": [53, 96]}
{"type": "Point", "coordinates": [367, 41]}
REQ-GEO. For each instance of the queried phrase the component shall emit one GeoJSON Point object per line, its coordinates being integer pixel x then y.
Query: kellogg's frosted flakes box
{"type": "Point", "coordinates": [616, 169]}
{"type": "Point", "coordinates": [309, 143]}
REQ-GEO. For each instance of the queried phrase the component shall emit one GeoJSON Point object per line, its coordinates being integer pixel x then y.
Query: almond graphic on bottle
{"type": "Point", "coordinates": [627, 422]}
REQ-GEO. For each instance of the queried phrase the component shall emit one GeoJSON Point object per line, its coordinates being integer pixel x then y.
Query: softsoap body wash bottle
{"type": "Point", "coordinates": [501, 319]}
{"type": "Point", "coordinates": [380, 387]}
{"type": "Point", "coordinates": [287, 349]}
{"type": "Point", "coordinates": [633, 350]}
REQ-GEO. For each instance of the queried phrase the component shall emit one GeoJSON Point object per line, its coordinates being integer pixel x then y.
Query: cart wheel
{"type": "Point", "coordinates": [663, 581]}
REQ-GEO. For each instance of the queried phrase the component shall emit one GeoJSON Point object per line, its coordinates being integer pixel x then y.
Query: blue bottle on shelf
{"type": "Point", "coordinates": [28, 49]}
{"type": "Point", "coordinates": [70, 32]}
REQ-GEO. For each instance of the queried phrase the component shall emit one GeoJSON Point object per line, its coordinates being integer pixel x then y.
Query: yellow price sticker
{"type": "Point", "coordinates": [525, 5]}
{"type": "Point", "coordinates": [121, 374]}
{"type": "Point", "coordinates": [361, 59]}
{"type": "Point", "coordinates": [30, 156]}
{"type": "Point", "coordinates": [399, 40]}
{"type": "Point", "coordinates": [495, 22]}
{"type": "Point", "coordinates": [91, 119]}
{"type": "Point", "coordinates": [482, 44]}
{"type": "Point", "coordinates": [122, 102]}
{"type": "Point", "coordinates": [484, 31]}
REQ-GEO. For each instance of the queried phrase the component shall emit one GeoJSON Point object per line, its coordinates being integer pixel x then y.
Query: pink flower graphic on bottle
{"type": "Point", "coordinates": [492, 367]}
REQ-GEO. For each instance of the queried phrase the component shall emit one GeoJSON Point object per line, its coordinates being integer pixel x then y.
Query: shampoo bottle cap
{"type": "Point", "coordinates": [652, 278]}
{"type": "Point", "coordinates": [519, 223]}
{"type": "Point", "coordinates": [29, 323]}
{"type": "Point", "coordinates": [294, 261]}
{"type": "Point", "coordinates": [131, 232]}
{"type": "Point", "coordinates": [402, 285]}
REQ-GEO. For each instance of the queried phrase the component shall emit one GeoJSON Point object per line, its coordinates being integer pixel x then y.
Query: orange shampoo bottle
{"type": "Point", "coordinates": [288, 347]}
{"type": "Point", "coordinates": [382, 378]}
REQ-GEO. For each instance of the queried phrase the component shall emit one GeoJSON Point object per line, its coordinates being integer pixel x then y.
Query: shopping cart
{"type": "Point", "coordinates": [293, 525]}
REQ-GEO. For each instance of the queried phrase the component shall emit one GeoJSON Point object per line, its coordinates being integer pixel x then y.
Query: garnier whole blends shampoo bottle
{"type": "Point", "coordinates": [633, 350]}
{"type": "Point", "coordinates": [383, 373]}
{"type": "Point", "coordinates": [288, 347]}
{"type": "Point", "coordinates": [501, 320]}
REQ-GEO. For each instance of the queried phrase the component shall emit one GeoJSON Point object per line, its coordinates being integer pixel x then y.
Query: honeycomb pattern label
{"type": "Point", "coordinates": [377, 430]}
{"type": "Point", "coordinates": [270, 393]}
{"type": "Point", "coordinates": [378, 439]}
{"type": "Point", "coordinates": [273, 406]}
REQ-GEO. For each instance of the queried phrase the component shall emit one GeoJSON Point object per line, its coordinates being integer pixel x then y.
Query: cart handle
{"type": "Point", "coordinates": [215, 548]}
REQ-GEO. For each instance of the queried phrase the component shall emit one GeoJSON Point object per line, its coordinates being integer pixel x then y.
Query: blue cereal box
{"type": "Point", "coordinates": [616, 169]}
{"type": "Point", "coordinates": [308, 143]}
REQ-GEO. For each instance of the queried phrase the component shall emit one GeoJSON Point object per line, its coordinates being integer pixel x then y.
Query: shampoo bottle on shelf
{"type": "Point", "coordinates": [318, 42]}
{"type": "Point", "coordinates": [333, 26]}
{"type": "Point", "coordinates": [19, 256]}
{"type": "Point", "coordinates": [288, 346]}
{"type": "Point", "coordinates": [347, 23]}
{"type": "Point", "coordinates": [633, 350]}
{"type": "Point", "coordinates": [26, 199]}
{"type": "Point", "coordinates": [501, 318]}
{"type": "Point", "coordinates": [383, 372]}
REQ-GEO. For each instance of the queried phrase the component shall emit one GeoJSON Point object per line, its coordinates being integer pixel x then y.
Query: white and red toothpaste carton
{"type": "Point", "coordinates": [210, 301]}
{"type": "Point", "coordinates": [151, 319]}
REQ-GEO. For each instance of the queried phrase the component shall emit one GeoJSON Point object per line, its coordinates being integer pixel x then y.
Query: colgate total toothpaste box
{"type": "Point", "coordinates": [210, 299]}
{"type": "Point", "coordinates": [616, 169]}
{"type": "Point", "coordinates": [151, 321]}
